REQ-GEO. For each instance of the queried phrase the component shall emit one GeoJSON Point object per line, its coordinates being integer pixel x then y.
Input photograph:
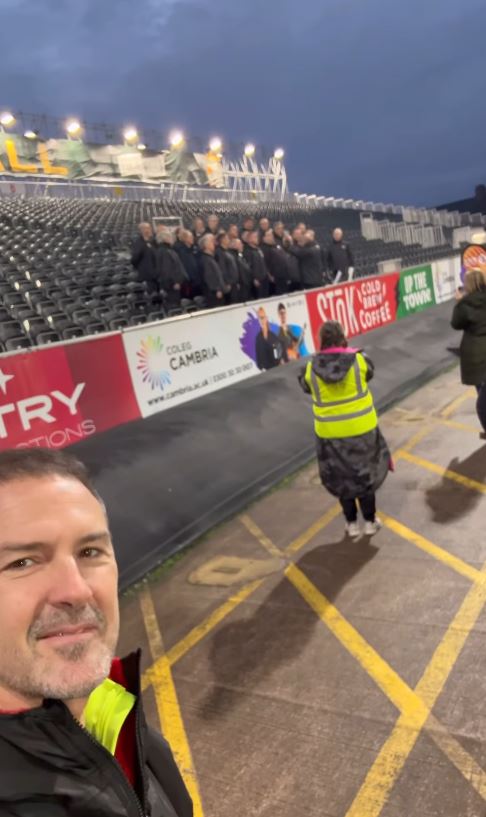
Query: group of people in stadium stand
{"type": "Point", "coordinates": [238, 264]}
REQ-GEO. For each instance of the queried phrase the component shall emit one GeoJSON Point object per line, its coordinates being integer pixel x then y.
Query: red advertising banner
{"type": "Point", "coordinates": [57, 396]}
{"type": "Point", "coordinates": [359, 306]}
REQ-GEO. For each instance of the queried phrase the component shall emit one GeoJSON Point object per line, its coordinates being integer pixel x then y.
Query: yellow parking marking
{"type": "Point", "coordinates": [201, 630]}
{"type": "Point", "coordinates": [458, 756]}
{"type": "Point", "coordinates": [387, 679]}
{"type": "Point", "coordinates": [457, 403]}
{"type": "Point", "coordinates": [413, 441]}
{"type": "Point", "coordinates": [313, 530]}
{"type": "Point", "coordinates": [257, 532]}
{"type": "Point", "coordinates": [386, 769]}
{"type": "Point", "coordinates": [471, 573]}
{"type": "Point", "coordinates": [168, 708]}
{"type": "Point", "coordinates": [467, 482]}
{"type": "Point", "coordinates": [459, 426]}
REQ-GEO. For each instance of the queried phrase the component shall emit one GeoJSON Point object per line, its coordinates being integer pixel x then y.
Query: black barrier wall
{"type": "Point", "coordinates": [168, 479]}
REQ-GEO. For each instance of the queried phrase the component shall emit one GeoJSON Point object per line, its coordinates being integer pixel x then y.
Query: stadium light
{"type": "Point", "coordinates": [7, 119]}
{"type": "Point", "coordinates": [279, 154]}
{"type": "Point", "coordinates": [130, 135]}
{"type": "Point", "coordinates": [73, 127]}
{"type": "Point", "coordinates": [176, 139]}
{"type": "Point", "coordinates": [249, 150]}
{"type": "Point", "coordinates": [215, 145]}
{"type": "Point", "coordinates": [141, 146]}
{"type": "Point", "coordinates": [31, 134]}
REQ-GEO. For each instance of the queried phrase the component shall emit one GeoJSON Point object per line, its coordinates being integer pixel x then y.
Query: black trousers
{"type": "Point", "coordinates": [481, 404]}
{"type": "Point", "coordinates": [367, 504]}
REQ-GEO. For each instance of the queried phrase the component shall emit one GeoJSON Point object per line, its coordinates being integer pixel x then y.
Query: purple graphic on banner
{"type": "Point", "coordinates": [251, 328]}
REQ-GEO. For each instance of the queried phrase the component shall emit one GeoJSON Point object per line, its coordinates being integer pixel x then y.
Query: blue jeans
{"type": "Point", "coordinates": [481, 404]}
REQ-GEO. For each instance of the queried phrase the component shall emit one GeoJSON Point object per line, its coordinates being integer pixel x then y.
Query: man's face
{"type": "Point", "coordinates": [269, 237]}
{"type": "Point", "coordinates": [188, 238]}
{"type": "Point", "coordinates": [283, 316]}
{"type": "Point", "coordinates": [198, 225]}
{"type": "Point", "coordinates": [248, 224]}
{"type": "Point", "coordinates": [224, 241]}
{"type": "Point", "coordinates": [264, 225]}
{"type": "Point", "coordinates": [213, 222]}
{"type": "Point", "coordinates": [210, 245]}
{"type": "Point", "coordinates": [146, 231]}
{"type": "Point", "coordinates": [233, 231]}
{"type": "Point", "coordinates": [279, 229]}
{"type": "Point", "coordinates": [59, 617]}
{"type": "Point", "coordinates": [253, 239]}
{"type": "Point", "coordinates": [262, 319]}
{"type": "Point", "coordinates": [296, 234]}
{"type": "Point", "coordinates": [338, 235]}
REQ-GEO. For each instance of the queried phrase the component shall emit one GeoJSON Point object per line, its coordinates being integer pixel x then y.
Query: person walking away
{"type": "Point", "coordinates": [74, 740]}
{"type": "Point", "coordinates": [340, 260]}
{"type": "Point", "coordinates": [352, 453]}
{"type": "Point", "coordinates": [469, 315]}
{"type": "Point", "coordinates": [144, 260]}
{"type": "Point", "coordinates": [245, 279]}
{"type": "Point", "coordinates": [256, 262]}
{"type": "Point", "coordinates": [229, 268]}
{"type": "Point", "coordinates": [308, 253]}
{"type": "Point", "coordinates": [277, 265]}
{"type": "Point", "coordinates": [189, 256]}
{"type": "Point", "coordinates": [214, 286]}
{"type": "Point", "coordinates": [170, 270]}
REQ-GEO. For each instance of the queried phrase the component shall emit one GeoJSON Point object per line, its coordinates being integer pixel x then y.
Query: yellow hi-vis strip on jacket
{"type": "Point", "coordinates": [106, 711]}
{"type": "Point", "coordinates": [343, 409]}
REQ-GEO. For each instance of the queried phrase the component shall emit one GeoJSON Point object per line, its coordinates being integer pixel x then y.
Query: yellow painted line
{"type": "Point", "coordinates": [457, 403]}
{"type": "Point", "coordinates": [388, 766]}
{"type": "Point", "coordinates": [467, 482]}
{"type": "Point", "coordinates": [257, 532]}
{"type": "Point", "coordinates": [201, 630]}
{"type": "Point", "coordinates": [471, 573]}
{"type": "Point", "coordinates": [168, 708]}
{"type": "Point", "coordinates": [414, 440]}
{"type": "Point", "coordinates": [312, 531]}
{"type": "Point", "coordinates": [462, 760]}
{"type": "Point", "coordinates": [460, 426]}
{"type": "Point", "coordinates": [384, 676]}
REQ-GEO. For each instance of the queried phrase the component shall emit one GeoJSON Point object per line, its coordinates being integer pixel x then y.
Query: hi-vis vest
{"type": "Point", "coordinates": [343, 409]}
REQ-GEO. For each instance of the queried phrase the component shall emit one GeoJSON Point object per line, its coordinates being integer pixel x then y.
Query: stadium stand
{"type": "Point", "coordinates": [65, 269]}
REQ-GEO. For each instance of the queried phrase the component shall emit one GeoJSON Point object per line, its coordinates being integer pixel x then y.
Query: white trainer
{"type": "Point", "coordinates": [353, 530]}
{"type": "Point", "coordinates": [372, 528]}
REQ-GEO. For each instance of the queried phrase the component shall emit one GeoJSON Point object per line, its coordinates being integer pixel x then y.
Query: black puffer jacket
{"type": "Point", "coordinates": [470, 316]}
{"type": "Point", "coordinates": [52, 767]}
{"type": "Point", "coordinates": [310, 262]}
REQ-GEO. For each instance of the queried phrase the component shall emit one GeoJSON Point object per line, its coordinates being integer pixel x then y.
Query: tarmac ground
{"type": "Point", "coordinates": [296, 672]}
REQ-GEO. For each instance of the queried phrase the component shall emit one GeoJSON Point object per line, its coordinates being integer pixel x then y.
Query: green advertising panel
{"type": "Point", "coordinates": [415, 290]}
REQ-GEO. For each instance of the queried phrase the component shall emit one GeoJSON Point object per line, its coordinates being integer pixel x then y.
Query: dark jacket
{"type": "Point", "coordinates": [52, 767]}
{"type": "Point", "coordinates": [340, 258]}
{"type": "Point", "coordinates": [212, 274]}
{"type": "Point", "coordinates": [276, 261]}
{"type": "Point", "coordinates": [169, 267]}
{"type": "Point", "coordinates": [228, 267]}
{"type": "Point", "coordinates": [269, 351]}
{"type": "Point", "coordinates": [470, 316]}
{"type": "Point", "coordinates": [143, 259]}
{"type": "Point", "coordinates": [244, 273]}
{"type": "Point", "coordinates": [310, 264]}
{"type": "Point", "coordinates": [349, 467]}
{"type": "Point", "coordinates": [293, 266]}
{"type": "Point", "coordinates": [256, 261]}
{"type": "Point", "coordinates": [190, 259]}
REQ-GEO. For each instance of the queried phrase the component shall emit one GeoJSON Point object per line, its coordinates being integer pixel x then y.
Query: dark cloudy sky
{"type": "Point", "coordinates": [375, 99]}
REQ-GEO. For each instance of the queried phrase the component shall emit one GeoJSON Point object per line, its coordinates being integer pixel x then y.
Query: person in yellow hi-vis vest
{"type": "Point", "coordinates": [352, 453]}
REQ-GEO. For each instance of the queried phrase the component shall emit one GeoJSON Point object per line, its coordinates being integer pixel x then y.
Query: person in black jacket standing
{"type": "Point", "coordinates": [470, 316]}
{"type": "Point", "coordinates": [189, 255]}
{"type": "Point", "coordinates": [340, 259]}
{"type": "Point", "coordinates": [143, 258]}
{"type": "Point", "coordinates": [214, 286]}
{"type": "Point", "coordinates": [170, 270]}
{"type": "Point", "coordinates": [244, 271]}
{"type": "Point", "coordinates": [256, 261]}
{"type": "Point", "coordinates": [74, 741]}
{"type": "Point", "coordinates": [229, 268]}
{"type": "Point", "coordinates": [277, 264]}
{"type": "Point", "coordinates": [309, 255]}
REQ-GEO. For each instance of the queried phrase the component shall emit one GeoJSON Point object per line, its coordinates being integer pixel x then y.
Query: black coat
{"type": "Point", "coordinates": [228, 267]}
{"type": "Point", "coordinates": [244, 273]}
{"type": "Point", "coordinates": [276, 261]}
{"type": "Point", "coordinates": [294, 267]}
{"type": "Point", "coordinates": [310, 264]}
{"type": "Point", "coordinates": [470, 316]}
{"type": "Point", "coordinates": [269, 351]}
{"type": "Point", "coordinates": [169, 267]}
{"type": "Point", "coordinates": [52, 767]}
{"type": "Point", "coordinates": [256, 261]}
{"type": "Point", "coordinates": [143, 259]}
{"type": "Point", "coordinates": [190, 259]}
{"type": "Point", "coordinates": [212, 274]}
{"type": "Point", "coordinates": [340, 258]}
